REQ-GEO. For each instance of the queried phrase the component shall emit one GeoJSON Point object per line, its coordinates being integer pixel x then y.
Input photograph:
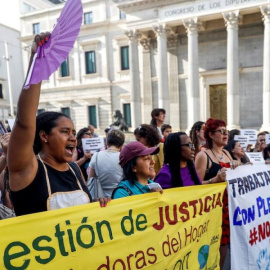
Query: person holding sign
{"type": "Point", "coordinates": [237, 152]}
{"type": "Point", "coordinates": [138, 169]}
{"type": "Point", "coordinates": [49, 180]}
{"type": "Point", "coordinates": [178, 169]}
{"type": "Point", "coordinates": [211, 165]}
{"type": "Point", "coordinates": [79, 156]}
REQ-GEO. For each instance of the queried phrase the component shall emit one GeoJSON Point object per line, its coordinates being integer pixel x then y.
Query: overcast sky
{"type": "Point", "coordinates": [9, 13]}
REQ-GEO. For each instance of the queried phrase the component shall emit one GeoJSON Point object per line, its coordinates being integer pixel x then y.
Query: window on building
{"type": "Point", "coordinates": [39, 111]}
{"type": "Point", "coordinates": [36, 28]}
{"type": "Point", "coordinates": [127, 114]}
{"type": "Point", "coordinates": [124, 58]}
{"type": "Point", "coordinates": [65, 68]}
{"type": "Point", "coordinates": [88, 17]}
{"type": "Point", "coordinates": [66, 111]}
{"type": "Point", "coordinates": [90, 62]}
{"type": "Point", "coordinates": [1, 90]}
{"type": "Point", "coordinates": [122, 14]}
{"type": "Point", "coordinates": [92, 112]}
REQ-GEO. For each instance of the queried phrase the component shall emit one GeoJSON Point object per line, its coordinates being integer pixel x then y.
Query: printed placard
{"type": "Point", "coordinates": [11, 123]}
{"type": "Point", "coordinates": [255, 157]}
{"type": "Point", "coordinates": [93, 144]}
{"type": "Point", "coordinates": [243, 140]}
{"type": "Point", "coordinates": [251, 133]}
{"type": "Point", "coordinates": [249, 210]}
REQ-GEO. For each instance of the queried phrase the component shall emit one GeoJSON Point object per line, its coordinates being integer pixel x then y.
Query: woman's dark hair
{"type": "Point", "coordinates": [172, 157]}
{"type": "Point", "coordinates": [79, 136]}
{"type": "Point", "coordinates": [210, 126]}
{"type": "Point", "coordinates": [149, 133]}
{"type": "Point", "coordinates": [128, 172]}
{"type": "Point", "coordinates": [232, 133]}
{"type": "Point", "coordinates": [230, 146]}
{"type": "Point", "coordinates": [193, 135]}
{"type": "Point", "coordinates": [155, 113]}
{"type": "Point", "coordinates": [115, 138]}
{"type": "Point", "coordinates": [45, 121]}
{"type": "Point", "coordinates": [265, 152]}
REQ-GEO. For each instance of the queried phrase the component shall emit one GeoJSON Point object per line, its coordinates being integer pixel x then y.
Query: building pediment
{"type": "Point", "coordinates": [134, 5]}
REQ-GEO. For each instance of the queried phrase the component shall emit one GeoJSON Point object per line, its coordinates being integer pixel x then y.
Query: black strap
{"type": "Point", "coordinates": [130, 193]}
{"type": "Point", "coordinates": [208, 158]}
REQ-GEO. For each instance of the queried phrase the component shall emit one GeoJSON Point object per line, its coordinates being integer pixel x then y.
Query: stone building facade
{"type": "Point", "coordinates": [196, 59]}
{"type": "Point", "coordinates": [11, 74]}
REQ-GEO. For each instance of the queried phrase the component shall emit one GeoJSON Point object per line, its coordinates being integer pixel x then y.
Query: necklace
{"type": "Point", "coordinates": [219, 157]}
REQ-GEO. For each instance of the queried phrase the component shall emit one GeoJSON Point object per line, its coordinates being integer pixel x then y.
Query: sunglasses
{"type": "Point", "coordinates": [189, 145]}
{"type": "Point", "coordinates": [88, 133]}
{"type": "Point", "coordinates": [222, 131]}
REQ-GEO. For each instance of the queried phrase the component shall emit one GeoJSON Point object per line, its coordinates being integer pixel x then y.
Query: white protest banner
{"type": "Point", "coordinates": [243, 140]}
{"type": "Point", "coordinates": [249, 210]}
{"type": "Point", "coordinates": [11, 123]}
{"type": "Point", "coordinates": [93, 144]}
{"type": "Point", "coordinates": [251, 133]}
{"type": "Point", "coordinates": [255, 157]}
{"type": "Point", "coordinates": [267, 138]}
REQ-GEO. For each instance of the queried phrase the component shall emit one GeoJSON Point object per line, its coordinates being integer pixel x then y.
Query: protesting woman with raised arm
{"type": "Point", "coordinates": [47, 181]}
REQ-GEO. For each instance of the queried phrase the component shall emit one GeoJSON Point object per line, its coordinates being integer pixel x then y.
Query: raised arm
{"type": "Point", "coordinates": [22, 162]}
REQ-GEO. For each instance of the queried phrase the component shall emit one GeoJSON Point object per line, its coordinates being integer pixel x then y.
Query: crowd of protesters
{"type": "Point", "coordinates": [48, 169]}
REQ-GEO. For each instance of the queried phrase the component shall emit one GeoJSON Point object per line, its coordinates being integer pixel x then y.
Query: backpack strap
{"type": "Point", "coordinates": [130, 193]}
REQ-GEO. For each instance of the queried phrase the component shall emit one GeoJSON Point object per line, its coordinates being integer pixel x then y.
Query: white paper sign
{"type": "Point", "coordinates": [11, 123]}
{"type": "Point", "coordinates": [255, 157]}
{"type": "Point", "coordinates": [267, 138]}
{"type": "Point", "coordinates": [251, 133]}
{"type": "Point", "coordinates": [249, 211]}
{"type": "Point", "coordinates": [93, 144]}
{"type": "Point", "coordinates": [243, 140]}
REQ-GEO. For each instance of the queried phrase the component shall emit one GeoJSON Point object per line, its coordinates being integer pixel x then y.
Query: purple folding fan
{"type": "Point", "coordinates": [54, 52]}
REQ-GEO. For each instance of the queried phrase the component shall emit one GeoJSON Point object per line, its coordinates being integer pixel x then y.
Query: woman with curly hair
{"type": "Point", "coordinates": [148, 136]}
{"type": "Point", "coordinates": [196, 135]}
{"type": "Point", "coordinates": [79, 156]}
{"type": "Point", "coordinates": [211, 165]}
{"type": "Point", "coordinates": [178, 169]}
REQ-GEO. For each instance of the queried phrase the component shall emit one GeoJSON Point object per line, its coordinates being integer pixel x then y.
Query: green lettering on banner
{"type": "Point", "coordinates": [37, 247]}
{"type": "Point", "coordinates": [59, 235]}
{"type": "Point", "coordinates": [99, 225]}
{"type": "Point", "coordinates": [8, 257]}
{"type": "Point", "coordinates": [141, 222]}
{"type": "Point", "coordinates": [130, 219]}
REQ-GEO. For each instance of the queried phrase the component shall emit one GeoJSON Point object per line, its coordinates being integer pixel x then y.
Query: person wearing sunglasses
{"type": "Point", "coordinates": [211, 165]}
{"type": "Point", "coordinates": [79, 156]}
{"type": "Point", "coordinates": [178, 169]}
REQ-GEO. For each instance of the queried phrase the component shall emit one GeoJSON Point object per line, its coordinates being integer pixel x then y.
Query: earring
{"type": "Point", "coordinates": [134, 170]}
{"type": "Point", "coordinates": [45, 141]}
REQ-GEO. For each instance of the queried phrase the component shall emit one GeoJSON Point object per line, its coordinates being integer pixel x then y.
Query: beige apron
{"type": "Point", "coordinates": [64, 199]}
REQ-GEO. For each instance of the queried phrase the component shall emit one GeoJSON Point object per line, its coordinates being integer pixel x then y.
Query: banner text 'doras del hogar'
{"type": "Point", "coordinates": [179, 229]}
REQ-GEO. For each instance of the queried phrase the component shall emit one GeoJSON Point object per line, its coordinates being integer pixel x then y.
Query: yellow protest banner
{"type": "Point", "coordinates": [179, 229]}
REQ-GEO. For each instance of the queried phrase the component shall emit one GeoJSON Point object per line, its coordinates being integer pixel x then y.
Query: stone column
{"type": "Point", "coordinates": [266, 68]}
{"type": "Point", "coordinates": [232, 20]}
{"type": "Point", "coordinates": [147, 80]}
{"type": "Point", "coordinates": [193, 91]}
{"type": "Point", "coordinates": [173, 81]}
{"type": "Point", "coordinates": [135, 94]}
{"type": "Point", "coordinates": [162, 71]}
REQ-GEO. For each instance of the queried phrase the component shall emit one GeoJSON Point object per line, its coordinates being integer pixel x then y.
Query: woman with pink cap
{"type": "Point", "coordinates": [138, 168]}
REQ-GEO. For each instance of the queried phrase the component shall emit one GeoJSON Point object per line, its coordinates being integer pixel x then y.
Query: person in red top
{"type": "Point", "coordinates": [211, 164]}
